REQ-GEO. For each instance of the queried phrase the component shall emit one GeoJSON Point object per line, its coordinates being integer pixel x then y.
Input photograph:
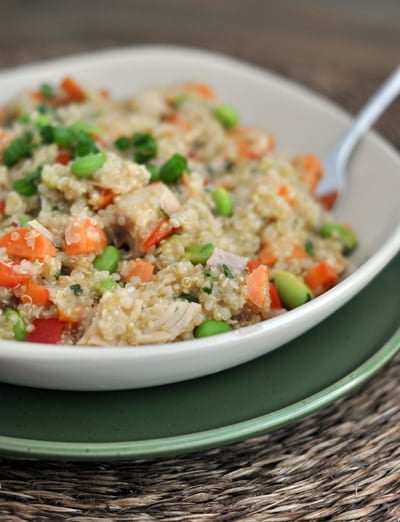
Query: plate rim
{"type": "Point", "coordinates": [206, 439]}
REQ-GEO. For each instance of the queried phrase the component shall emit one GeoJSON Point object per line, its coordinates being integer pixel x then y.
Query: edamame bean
{"type": "Point", "coordinates": [17, 323]}
{"type": "Point", "coordinates": [108, 259]}
{"type": "Point", "coordinates": [211, 327]}
{"type": "Point", "coordinates": [291, 289]}
{"type": "Point", "coordinates": [226, 115]}
{"type": "Point", "coordinates": [107, 285]}
{"type": "Point", "coordinates": [223, 202]}
{"type": "Point", "coordinates": [198, 254]}
{"type": "Point", "coordinates": [85, 166]}
{"type": "Point", "coordinates": [346, 237]}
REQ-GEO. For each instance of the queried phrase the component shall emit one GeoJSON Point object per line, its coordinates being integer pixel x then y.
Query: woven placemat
{"type": "Point", "coordinates": [342, 464]}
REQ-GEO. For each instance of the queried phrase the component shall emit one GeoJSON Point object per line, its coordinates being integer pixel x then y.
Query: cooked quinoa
{"type": "Point", "coordinates": [153, 219]}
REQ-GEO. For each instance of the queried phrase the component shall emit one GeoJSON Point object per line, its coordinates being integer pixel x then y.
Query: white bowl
{"type": "Point", "coordinates": [301, 122]}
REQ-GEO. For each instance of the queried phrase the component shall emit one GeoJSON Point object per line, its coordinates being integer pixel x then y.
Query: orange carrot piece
{"type": "Point", "coordinates": [142, 269]}
{"type": "Point", "coordinates": [35, 294]}
{"type": "Point", "coordinates": [10, 277]}
{"type": "Point", "coordinates": [84, 236]}
{"type": "Point", "coordinates": [73, 89]}
{"type": "Point", "coordinates": [256, 283]}
{"type": "Point", "coordinates": [64, 156]}
{"type": "Point", "coordinates": [104, 197]}
{"type": "Point", "coordinates": [311, 169]}
{"type": "Point", "coordinates": [328, 200]}
{"type": "Point", "coordinates": [253, 264]}
{"type": "Point", "coordinates": [202, 89]}
{"type": "Point", "coordinates": [178, 119]}
{"type": "Point", "coordinates": [162, 231]}
{"type": "Point", "coordinates": [321, 277]}
{"type": "Point", "coordinates": [285, 192]}
{"type": "Point", "coordinates": [266, 256]}
{"type": "Point", "coordinates": [28, 244]}
{"type": "Point", "coordinates": [298, 252]}
{"type": "Point", "coordinates": [248, 142]}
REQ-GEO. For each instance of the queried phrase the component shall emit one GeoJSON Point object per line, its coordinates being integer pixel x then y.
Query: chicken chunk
{"type": "Point", "coordinates": [128, 316]}
{"type": "Point", "coordinates": [139, 212]}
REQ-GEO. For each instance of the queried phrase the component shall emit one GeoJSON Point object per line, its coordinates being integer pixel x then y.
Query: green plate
{"type": "Point", "coordinates": [265, 394]}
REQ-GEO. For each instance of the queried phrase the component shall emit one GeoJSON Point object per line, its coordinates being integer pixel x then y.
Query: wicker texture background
{"type": "Point", "coordinates": [342, 464]}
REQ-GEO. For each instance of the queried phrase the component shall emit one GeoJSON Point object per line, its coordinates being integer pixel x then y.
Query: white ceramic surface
{"type": "Point", "coordinates": [301, 122]}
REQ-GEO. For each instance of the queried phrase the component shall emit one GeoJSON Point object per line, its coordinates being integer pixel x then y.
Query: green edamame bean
{"type": "Point", "coordinates": [107, 285]}
{"type": "Point", "coordinates": [17, 323]}
{"type": "Point", "coordinates": [198, 254]}
{"type": "Point", "coordinates": [226, 115]}
{"type": "Point", "coordinates": [85, 166]}
{"type": "Point", "coordinates": [223, 202]}
{"type": "Point", "coordinates": [211, 327]}
{"type": "Point", "coordinates": [346, 237]}
{"type": "Point", "coordinates": [291, 289]}
{"type": "Point", "coordinates": [108, 259]}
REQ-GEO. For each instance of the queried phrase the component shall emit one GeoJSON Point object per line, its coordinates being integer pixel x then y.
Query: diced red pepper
{"type": "Point", "coordinates": [46, 331]}
{"type": "Point", "coordinates": [253, 264]}
{"type": "Point", "coordinates": [64, 156]}
{"type": "Point", "coordinates": [161, 232]}
{"type": "Point", "coordinates": [273, 294]}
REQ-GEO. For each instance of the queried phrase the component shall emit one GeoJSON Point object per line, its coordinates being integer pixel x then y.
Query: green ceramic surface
{"type": "Point", "coordinates": [267, 393]}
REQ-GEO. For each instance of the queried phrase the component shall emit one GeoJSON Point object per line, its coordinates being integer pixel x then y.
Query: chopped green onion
{"type": "Point", "coordinates": [63, 137]}
{"type": "Point", "coordinates": [77, 289]}
{"type": "Point", "coordinates": [108, 259]}
{"type": "Point", "coordinates": [309, 247]}
{"type": "Point", "coordinates": [155, 173]}
{"type": "Point", "coordinates": [17, 323]}
{"type": "Point", "coordinates": [27, 186]}
{"type": "Point", "coordinates": [20, 147]}
{"type": "Point", "coordinates": [211, 327]}
{"type": "Point", "coordinates": [227, 272]}
{"type": "Point", "coordinates": [189, 298]}
{"type": "Point", "coordinates": [123, 143]}
{"type": "Point", "coordinates": [198, 254]}
{"type": "Point", "coordinates": [85, 126]}
{"type": "Point", "coordinates": [47, 133]}
{"type": "Point", "coordinates": [173, 168]}
{"type": "Point", "coordinates": [146, 147]}
{"type": "Point", "coordinates": [86, 166]}
{"type": "Point", "coordinates": [226, 115]}
{"type": "Point", "coordinates": [24, 118]}
{"type": "Point", "coordinates": [179, 101]}
{"type": "Point", "coordinates": [47, 90]}
{"type": "Point", "coordinates": [223, 202]}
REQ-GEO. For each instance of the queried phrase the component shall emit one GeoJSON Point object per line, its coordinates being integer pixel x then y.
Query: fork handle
{"type": "Point", "coordinates": [383, 97]}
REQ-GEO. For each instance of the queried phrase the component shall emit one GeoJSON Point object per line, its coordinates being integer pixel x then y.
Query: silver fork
{"type": "Point", "coordinates": [333, 182]}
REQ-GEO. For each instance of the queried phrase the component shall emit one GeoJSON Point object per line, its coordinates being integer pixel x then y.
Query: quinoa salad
{"type": "Point", "coordinates": [156, 218]}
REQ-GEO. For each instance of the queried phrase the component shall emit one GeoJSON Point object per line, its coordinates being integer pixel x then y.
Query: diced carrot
{"type": "Point", "coordinates": [104, 93]}
{"type": "Point", "coordinates": [63, 156]}
{"type": "Point", "coordinates": [102, 198]}
{"type": "Point", "coordinates": [142, 269]}
{"type": "Point", "coordinates": [256, 284]}
{"type": "Point", "coordinates": [178, 119]}
{"type": "Point", "coordinates": [84, 235]}
{"type": "Point", "coordinates": [266, 256]}
{"type": "Point", "coordinates": [2, 206]}
{"type": "Point", "coordinates": [311, 169]}
{"type": "Point", "coordinates": [73, 319]}
{"type": "Point", "coordinates": [298, 252]}
{"type": "Point", "coordinates": [26, 243]}
{"type": "Point", "coordinates": [35, 294]}
{"type": "Point", "coordinates": [328, 200]}
{"type": "Point", "coordinates": [162, 231]}
{"type": "Point", "coordinates": [202, 89]}
{"type": "Point", "coordinates": [253, 264]}
{"type": "Point", "coordinates": [73, 89]}
{"type": "Point", "coordinates": [10, 276]}
{"type": "Point", "coordinates": [321, 277]}
{"type": "Point", "coordinates": [286, 192]}
{"type": "Point", "coordinates": [274, 297]}
{"type": "Point", "coordinates": [252, 143]}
